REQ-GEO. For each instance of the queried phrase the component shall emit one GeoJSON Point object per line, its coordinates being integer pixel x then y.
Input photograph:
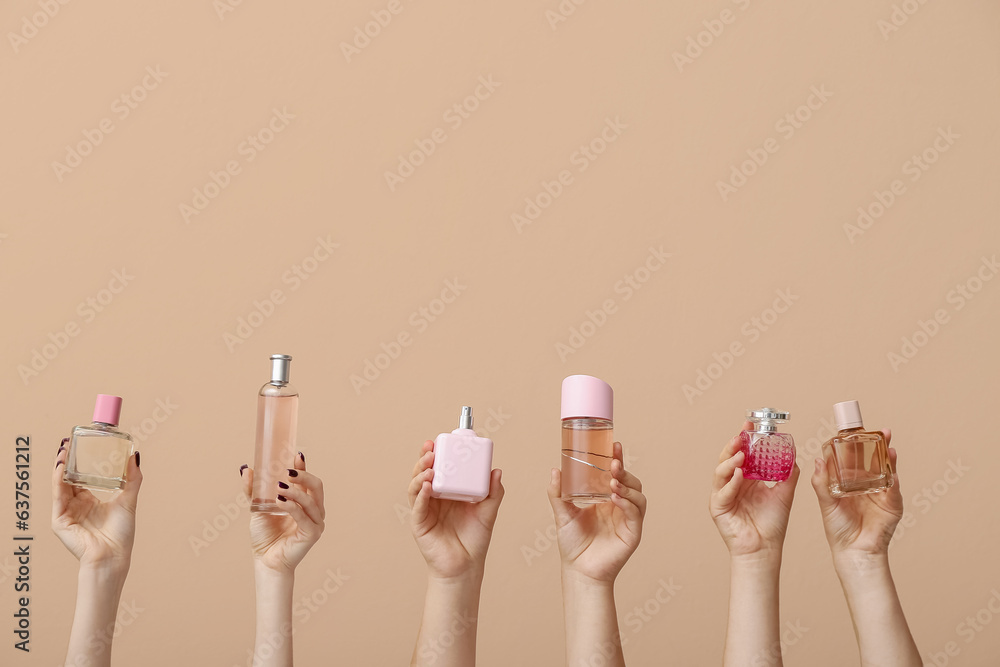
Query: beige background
{"type": "Point", "coordinates": [162, 337]}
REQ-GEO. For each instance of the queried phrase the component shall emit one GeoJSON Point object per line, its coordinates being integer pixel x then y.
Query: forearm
{"type": "Point", "coordinates": [752, 636]}
{"type": "Point", "coordinates": [273, 637]}
{"type": "Point", "coordinates": [99, 590]}
{"type": "Point", "coordinates": [591, 622]}
{"type": "Point", "coordinates": [447, 636]}
{"type": "Point", "coordinates": [884, 638]}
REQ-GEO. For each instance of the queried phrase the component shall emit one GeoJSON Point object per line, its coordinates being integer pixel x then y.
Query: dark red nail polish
{"type": "Point", "coordinates": [302, 456]}
{"type": "Point", "coordinates": [58, 463]}
{"type": "Point", "coordinates": [242, 468]}
{"type": "Point", "coordinates": [292, 472]}
{"type": "Point", "coordinates": [282, 498]}
{"type": "Point", "coordinates": [63, 443]}
{"type": "Point", "coordinates": [137, 459]}
{"type": "Point", "coordinates": [282, 485]}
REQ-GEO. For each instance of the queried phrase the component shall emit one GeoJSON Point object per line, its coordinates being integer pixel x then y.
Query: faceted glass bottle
{"type": "Point", "coordinates": [463, 463]}
{"type": "Point", "coordinates": [587, 439]}
{"type": "Point", "coordinates": [99, 452]}
{"type": "Point", "coordinates": [277, 420]}
{"type": "Point", "coordinates": [858, 460]}
{"type": "Point", "coordinates": [767, 454]}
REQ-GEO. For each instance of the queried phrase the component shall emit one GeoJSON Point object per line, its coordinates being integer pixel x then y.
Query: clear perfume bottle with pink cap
{"type": "Point", "coordinates": [587, 408]}
{"type": "Point", "coordinates": [99, 452]}
{"type": "Point", "coordinates": [858, 460]}
{"type": "Point", "coordinates": [463, 463]}
{"type": "Point", "coordinates": [768, 455]}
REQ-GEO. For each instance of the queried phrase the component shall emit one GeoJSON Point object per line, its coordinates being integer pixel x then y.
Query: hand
{"type": "Point", "coordinates": [861, 524]}
{"type": "Point", "coordinates": [97, 533]}
{"type": "Point", "coordinates": [280, 541]}
{"type": "Point", "coordinates": [453, 536]}
{"type": "Point", "coordinates": [596, 541]}
{"type": "Point", "coordinates": [751, 517]}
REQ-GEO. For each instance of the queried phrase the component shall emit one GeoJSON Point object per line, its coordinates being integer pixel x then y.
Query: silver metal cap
{"type": "Point", "coordinates": [280, 367]}
{"type": "Point", "coordinates": [766, 420]}
{"type": "Point", "coordinates": [466, 420]}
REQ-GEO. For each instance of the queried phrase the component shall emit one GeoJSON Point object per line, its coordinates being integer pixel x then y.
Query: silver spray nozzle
{"type": "Point", "coordinates": [466, 420]}
{"type": "Point", "coordinates": [280, 366]}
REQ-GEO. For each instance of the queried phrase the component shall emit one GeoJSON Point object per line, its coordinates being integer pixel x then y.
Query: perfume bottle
{"type": "Point", "coordinates": [463, 463]}
{"type": "Point", "coordinates": [858, 460]}
{"type": "Point", "coordinates": [99, 452]}
{"type": "Point", "coordinates": [767, 454]}
{"type": "Point", "coordinates": [587, 439]}
{"type": "Point", "coordinates": [277, 417]}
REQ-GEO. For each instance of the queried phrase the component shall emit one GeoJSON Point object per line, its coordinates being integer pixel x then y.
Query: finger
{"type": "Point", "coordinates": [624, 476]}
{"type": "Point", "coordinates": [786, 488]}
{"type": "Point", "coordinates": [631, 512]}
{"type": "Point", "coordinates": [734, 443]}
{"type": "Point", "coordinates": [246, 480]}
{"type": "Point", "coordinates": [62, 493]}
{"type": "Point", "coordinates": [312, 484]}
{"type": "Point", "coordinates": [129, 497]}
{"type": "Point", "coordinates": [490, 506]}
{"type": "Point", "coordinates": [632, 494]}
{"type": "Point", "coordinates": [425, 461]}
{"type": "Point", "coordinates": [562, 510]}
{"type": "Point", "coordinates": [306, 524]}
{"type": "Point", "coordinates": [421, 504]}
{"type": "Point", "coordinates": [301, 497]}
{"type": "Point", "coordinates": [821, 484]}
{"type": "Point", "coordinates": [887, 432]}
{"type": "Point", "coordinates": [300, 462]}
{"type": "Point", "coordinates": [726, 496]}
{"type": "Point", "coordinates": [416, 483]}
{"type": "Point", "coordinates": [724, 471]}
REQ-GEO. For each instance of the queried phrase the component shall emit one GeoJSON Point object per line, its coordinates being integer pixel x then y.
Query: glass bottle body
{"type": "Point", "coordinates": [858, 462]}
{"type": "Point", "coordinates": [587, 452]}
{"type": "Point", "coordinates": [769, 457]}
{"type": "Point", "coordinates": [274, 453]}
{"type": "Point", "coordinates": [98, 455]}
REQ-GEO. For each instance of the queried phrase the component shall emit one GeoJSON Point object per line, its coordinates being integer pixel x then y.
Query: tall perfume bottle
{"type": "Point", "coordinates": [587, 439]}
{"type": "Point", "coordinates": [99, 452]}
{"type": "Point", "coordinates": [858, 460]}
{"type": "Point", "coordinates": [277, 417]}
{"type": "Point", "coordinates": [463, 463]}
{"type": "Point", "coordinates": [767, 454]}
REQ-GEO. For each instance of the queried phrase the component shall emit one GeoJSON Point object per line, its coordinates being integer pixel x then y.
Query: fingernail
{"type": "Point", "coordinates": [242, 468]}
{"type": "Point", "coordinates": [282, 498]}
{"type": "Point", "coordinates": [137, 459]}
{"type": "Point", "coordinates": [63, 443]}
{"type": "Point", "coordinates": [58, 463]}
{"type": "Point", "coordinates": [302, 456]}
{"type": "Point", "coordinates": [292, 472]}
{"type": "Point", "coordinates": [282, 485]}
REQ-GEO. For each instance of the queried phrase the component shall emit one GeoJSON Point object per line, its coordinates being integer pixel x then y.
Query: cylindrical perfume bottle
{"type": "Point", "coordinates": [277, 417]}
{"type": "Point", "coordinates": [767, 454]}
{"type": "Point", "coordinates": [587, 439]}
{"type": "Point", "coordinates": [857, 460]}
{"type": "Point", "coordinates": [99, 452]}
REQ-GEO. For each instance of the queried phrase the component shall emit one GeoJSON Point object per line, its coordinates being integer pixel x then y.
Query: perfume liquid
{"type": "Point", "coordinates": [99, 452]}
{"type": "Point", "coordinates": [767, 454]}
{"type": "Point", "coordinates": [858, 460]}
{"type": "Point", "coordinates": [277, 419]}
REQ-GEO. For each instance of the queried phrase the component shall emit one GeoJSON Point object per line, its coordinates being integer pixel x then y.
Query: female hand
{"type": "Point", "coordinates": [281, 541]}
{"type": "Point", "coordinates": [97, 533]}
{"type": "Point", "coordinates": [751, 517]}
{"type": "Point", "coordinates": [861, 524]}
{"type": "Point", "coordinates": [453, 536]}
{"type": "Point", "coordinates": [597, 540]}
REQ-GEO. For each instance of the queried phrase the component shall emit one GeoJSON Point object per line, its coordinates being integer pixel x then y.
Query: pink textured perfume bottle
{"type": "Point", "coordinates": [277, 420]}
{"type": "Point", "coordinates": [767, 454]}
{"type": "Point", "coordinates": [99, 452]}
{"type": "Point", "coordinates": [462, 463]}
{"type": "Point", "coordinates": [587, 439]}
{"type": "Point", "coordinates": [858, 460]}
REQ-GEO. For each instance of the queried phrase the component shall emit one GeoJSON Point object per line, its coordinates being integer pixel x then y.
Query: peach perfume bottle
{"type": "Point", "coordinates": [858, 460]}
{"type": "Point", "coordinates": [767, 454]}
{"type": "Point", "coordinates": [463, 463]}
{"type": "Point", "coordinates": [587, 439]}
{"type": "Point", "coordinates": [277, 418]}
{"type": "Point", "coordinates": [99, 452]}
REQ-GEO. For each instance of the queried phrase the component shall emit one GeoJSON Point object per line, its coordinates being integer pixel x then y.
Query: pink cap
{"type": "Point", "coordinates": [108, 409]}
{"type": "Point", "coordinates": [847, 415]}
{"type": "Point", "coordinates": [586, 396]}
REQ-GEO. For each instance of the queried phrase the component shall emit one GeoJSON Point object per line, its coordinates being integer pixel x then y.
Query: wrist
{"type": "Point", "coordinates": [263, 571]}
{"type": "Point", "coordinates": [471, 578]}
{"type": "Point", "coordinates": [105, 572]}
{"type": "Point", "coordinates": [762, 561]}
{"type": "Point", "coordinates": [850, 564]}
{"type": "Point", "coordinates": [579, 581]}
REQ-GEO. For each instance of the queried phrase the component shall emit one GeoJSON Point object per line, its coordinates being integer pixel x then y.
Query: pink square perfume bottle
{"type": "Point", "coordinates": [767, 454]}
{"type": "Point", "coordinates": [462, 463]}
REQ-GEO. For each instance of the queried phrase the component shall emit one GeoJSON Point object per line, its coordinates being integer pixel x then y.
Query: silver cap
{"type": "Point", "coordinates": [466, 420]}
{"type": "Point", "coordinates": [766, 420]}
{"type": "Point", "coordinates": [280, 366]}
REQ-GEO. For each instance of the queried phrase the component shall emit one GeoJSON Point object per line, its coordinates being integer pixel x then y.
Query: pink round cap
{"type": "Point", "coordinates": [847, 415]}
{"type": "Point", "coordinates": [108, 409]}
{"type": "Point", "coordinates": [586, 396]}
